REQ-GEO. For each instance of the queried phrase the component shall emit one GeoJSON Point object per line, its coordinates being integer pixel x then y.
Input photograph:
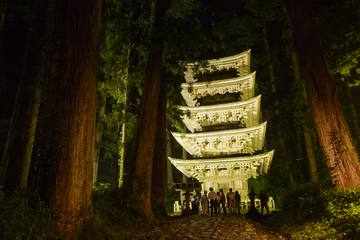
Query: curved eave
{"type": "Point", "coordinates": [222, 132]}
{"type": "Point", "coordinates": [194, 125]}
{"type": "Point", "coordinates": [189, 167]}
{"type": "Point", "coordinates": [237, 60]}
{"type": "Point", "coordinates": [192, 142]}
{"type": "Point", "coordinates": [235, 83]}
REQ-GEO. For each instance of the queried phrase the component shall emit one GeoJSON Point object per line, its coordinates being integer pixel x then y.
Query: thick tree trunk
{"type": "Point", "coordinates": [142, 185]}
{"type": "Point", "coordinates": [75, 86]}
{"type": "Point", "coordinates": [67, 125]}
{"type": "Point", "coordinates": [331, 127]}
{"type": "Point", "coordinates": [160, 158]}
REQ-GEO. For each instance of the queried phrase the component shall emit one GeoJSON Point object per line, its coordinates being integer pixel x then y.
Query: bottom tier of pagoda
{"type": "Point", "coordinates": [225, 173]}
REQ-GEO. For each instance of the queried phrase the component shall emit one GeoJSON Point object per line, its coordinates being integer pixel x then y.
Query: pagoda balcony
{"type": "Point", "coordinates": [229, 167]}
{"type": "Point", "coordinates": [240, 62]}
{"type": "Point", "coordinates": [214, 143]}
{"type": "Point", "coordinates": [245, 85]}
{"type": "Point", "coordinates": [244, 114]}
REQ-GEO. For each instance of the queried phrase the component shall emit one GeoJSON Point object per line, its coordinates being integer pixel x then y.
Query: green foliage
{"type": "Point", "coordinates": [114, 214]}
{"type": "Point", "coordinates": [170, 198]}
{"type": "Point", "coordinates": [124, 52]}
{"type": "Point", "coordinates": [341, 39]}
{"type": "Point", "coordinates": [305, 197]}
{"type": "Point", "coordinates": [343, 208]}
{"type": "Point", "coordinates": [312, 212]}
{"type": "Point", "coordinates": [314, 230]}
{"type": "Point", "coordinates": [24, 216]}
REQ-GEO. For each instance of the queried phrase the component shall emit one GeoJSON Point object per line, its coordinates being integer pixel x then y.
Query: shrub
{"type": "Point", "coordinates": [311, 212]}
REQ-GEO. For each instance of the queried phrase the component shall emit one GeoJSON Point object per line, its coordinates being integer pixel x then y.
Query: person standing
{"type": "Point", "coordinates": [252, 196]}
{"type": "Point", "coordinates": [237, 202]}
{"type": "Point", "coordinates": [264, 202]}
{"type": "Point", "coordinates": [231, 201]}
{"type": "Point", "coordinates": [212, 197]}
{"type": "Point", "coordinates": [222, 201]}
{"type": "Point", "coordinates": [204, 203]}
{"type": "Point", "coordinates": [217, 203]}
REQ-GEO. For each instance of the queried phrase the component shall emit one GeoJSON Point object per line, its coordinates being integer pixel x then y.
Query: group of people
{"type": "Point", "coordinates": [217, 202]}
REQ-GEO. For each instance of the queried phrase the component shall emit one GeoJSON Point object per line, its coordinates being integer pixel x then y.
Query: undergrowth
{"type": "Point", "coordinates": [311, 212]}
{"type": "Point", "coordinates": [24, 216]}
{"type": "Point", "coordinates": [114, 215]}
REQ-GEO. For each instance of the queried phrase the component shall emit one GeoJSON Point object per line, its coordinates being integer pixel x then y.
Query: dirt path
{"type": "Point", "coordinates": [207, 227]}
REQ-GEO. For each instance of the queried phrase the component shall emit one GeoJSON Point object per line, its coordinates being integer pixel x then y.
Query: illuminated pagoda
{"type": "Point", "coordinates": [225, 140]}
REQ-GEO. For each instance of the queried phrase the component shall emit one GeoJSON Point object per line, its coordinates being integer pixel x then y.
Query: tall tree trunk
{"type": "Point", "coordinates": [314, 177]}
{"type": "Point", "coordinates": [11, 129]}
{"type": "Point", "coordinates": [331, 127]}
{"type": "Point", "coordinates": [30, 137]}
{"type": "Point", "coordinates": [169, 167]}
{"type": "Point", "coordinates": [148, 117]}
{"type": "Point", "coordinates": [25, 111]}
{"type": "Point", "coordinates": [67, 124]}
{"type": "Point", "coordinates": [310, 152]}
{"type": "Point", "coordinates": [77, 85]}
{"type": "Point", "coordinates": [98, 137]}
{"type": "Point", "coordinates": [271, 72]}
{"type": "Point", "coordinates": [123, 124]}
{"type": "Point", "coordinates": [160, 158]}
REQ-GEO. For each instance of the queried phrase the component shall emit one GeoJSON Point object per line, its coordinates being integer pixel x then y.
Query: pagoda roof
{"type": "Point", "coordinates": [245, 85]}
{"type": "Point", "coordinates": [191, 168]}
{"type": "Point", "coordinates": [240, 61]}
{"type": "Point", "coordinates": [214, 143]}
{"type": "Point", "coordinates": [245, 112]}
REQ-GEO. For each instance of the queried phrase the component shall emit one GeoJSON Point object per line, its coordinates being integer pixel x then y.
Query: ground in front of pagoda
{"type": "Point", "coordinates": [210, 227]}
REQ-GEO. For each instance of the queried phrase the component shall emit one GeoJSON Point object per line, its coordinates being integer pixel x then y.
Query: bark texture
{"type": "Point", "coordinates": [77, 84]}
{"type": "Point", "coordinates": [63, 169]}
{"type": "Point", "coordinates": [160, 158]}
{"type": "Point", "coordinates": [331, 127]}
{"type": "Point", "coordinates": [142, 185]}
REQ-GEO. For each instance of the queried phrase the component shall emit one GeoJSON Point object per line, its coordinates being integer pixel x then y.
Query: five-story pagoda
{"type": "Point", "coordinates": [226, 140]}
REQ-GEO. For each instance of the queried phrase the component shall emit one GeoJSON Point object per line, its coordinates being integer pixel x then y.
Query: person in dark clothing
{"type": "Point", "coordinates": [252, 213]}
{"type": "Point", "coordinates": [237, 202]}
{"type": "Point", "coordinates": [212, 197]}
{"type": "Point", "coordinates": [264, 202]}
{"type": "Point", "coordinates": [252, 196]}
